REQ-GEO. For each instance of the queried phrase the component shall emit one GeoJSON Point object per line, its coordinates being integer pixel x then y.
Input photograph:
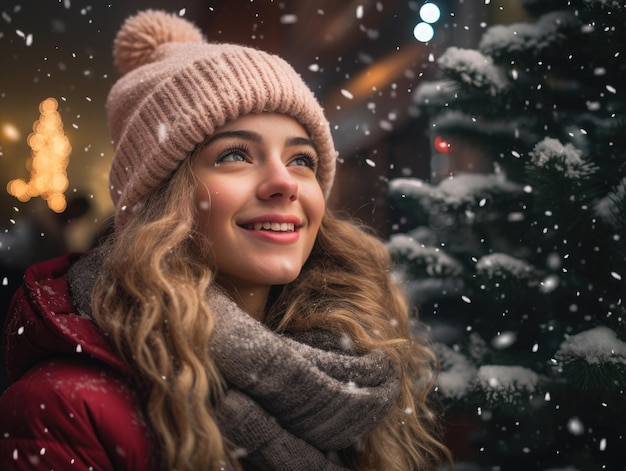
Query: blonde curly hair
{"type": "Point", "coordinates": [150, 299]}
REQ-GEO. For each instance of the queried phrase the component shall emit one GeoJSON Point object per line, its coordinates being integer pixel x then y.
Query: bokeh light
{"type": "Point", "coordinates": [423, 32]}
{"type": "Point", "coordinates": [10, 132]}
{"type": "Point", "coordinates": [430, 13]}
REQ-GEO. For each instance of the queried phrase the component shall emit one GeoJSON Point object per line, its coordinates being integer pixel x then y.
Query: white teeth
{"type": "Point", "coordinates": [273, 226]}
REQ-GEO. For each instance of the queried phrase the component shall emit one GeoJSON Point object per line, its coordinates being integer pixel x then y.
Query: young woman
{"type": "Point", "coordinates": [230, 321]}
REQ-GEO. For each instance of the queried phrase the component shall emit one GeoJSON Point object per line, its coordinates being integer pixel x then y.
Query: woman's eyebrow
{"type": "Point", "coordinates": [256, 137]}
{"type": "Point", "coordinates": [299, 141]}
{"type": "Point", "coordinates": [241, 134]}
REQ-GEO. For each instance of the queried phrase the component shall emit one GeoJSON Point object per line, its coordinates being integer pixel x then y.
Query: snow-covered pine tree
{"type": "Point", "coordinates": [520, 270]}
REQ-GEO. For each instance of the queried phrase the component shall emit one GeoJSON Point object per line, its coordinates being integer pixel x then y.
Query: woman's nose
{"type": "Point", "coordinates": [277, 182]}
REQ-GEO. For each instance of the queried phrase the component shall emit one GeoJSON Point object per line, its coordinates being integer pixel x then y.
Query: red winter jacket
{"type": "Point", "coordinates": [69, 406]}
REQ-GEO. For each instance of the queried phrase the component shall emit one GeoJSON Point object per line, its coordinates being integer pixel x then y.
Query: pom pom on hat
{"type": "Point", "coordinates": [141, 35]}
{"type": "Point", "coordinates": [177, 89]}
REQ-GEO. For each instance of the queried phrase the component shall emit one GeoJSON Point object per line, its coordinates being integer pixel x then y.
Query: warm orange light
{"type": "Point", "coordinates": [11, 132]}
{"type": "Point", "coordinates": [50, 151]}
{"type": "Point", "coordinates": [378, 75]}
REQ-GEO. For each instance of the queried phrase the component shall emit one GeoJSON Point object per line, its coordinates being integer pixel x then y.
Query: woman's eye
{"type": "Point", "coordinates": [230, 156]}
{"type": "Point", "coordinates": [305, 160]}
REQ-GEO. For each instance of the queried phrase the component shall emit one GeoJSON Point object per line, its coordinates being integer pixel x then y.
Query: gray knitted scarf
{"type": "Point", "coordinates": [292, 400]}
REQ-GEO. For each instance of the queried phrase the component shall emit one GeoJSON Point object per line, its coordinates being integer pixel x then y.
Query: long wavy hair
{"type": "Point", "coordinates": [150, 299]}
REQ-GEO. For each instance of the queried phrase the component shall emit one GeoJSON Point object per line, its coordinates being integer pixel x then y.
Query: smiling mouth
{"type": "Point", "coordinates": [271, 226]}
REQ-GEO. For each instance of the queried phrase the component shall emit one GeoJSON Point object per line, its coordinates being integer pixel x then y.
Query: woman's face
{"type": "Point", "coordinates": [258, 198]}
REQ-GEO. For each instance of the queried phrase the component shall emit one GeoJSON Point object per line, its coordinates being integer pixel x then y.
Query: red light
{"type": "Point", "coordinates": [442, 146]}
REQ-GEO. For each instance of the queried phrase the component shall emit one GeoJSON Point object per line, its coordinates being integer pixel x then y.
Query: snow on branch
{"type": "Point", "coordinates": [433, 261]}
{"type": "Point", "coordinates": [473, 69]}
{"type": "Point", "coordinates": [500, 265]}
{"type": "Point", "coordinates": [523, 37]}
{"type": "Point", "coordinates": [456, 372]}
{"type": "Point", "coordinates": [506, 383]}
{"type": "Point", "coordinates": [462, 190]}
{"type": "Point", "coordinates": [435, 93]}
{"type": "Point", "coordinates": [595, 346]}
{"type": "Point", "coordinates": [550, 153]}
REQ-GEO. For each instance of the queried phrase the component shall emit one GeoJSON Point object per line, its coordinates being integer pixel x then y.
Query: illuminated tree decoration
{"type": "Point", "coordinates": [50, 152]}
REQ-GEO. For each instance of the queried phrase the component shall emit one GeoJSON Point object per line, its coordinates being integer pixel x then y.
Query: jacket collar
{"type": "Point", "coordinates": [43, 322]}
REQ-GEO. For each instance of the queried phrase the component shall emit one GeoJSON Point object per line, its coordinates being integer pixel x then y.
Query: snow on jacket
{"type": "Point", "coordinates": [69, 406]}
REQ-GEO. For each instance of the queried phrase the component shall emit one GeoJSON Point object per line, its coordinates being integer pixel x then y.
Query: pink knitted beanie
{"type": "Point", "coordinates": [178, 89]}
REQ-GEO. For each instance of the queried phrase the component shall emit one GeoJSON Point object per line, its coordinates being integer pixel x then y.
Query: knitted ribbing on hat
{"type": "Point", "coordinates": [178, 89]}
